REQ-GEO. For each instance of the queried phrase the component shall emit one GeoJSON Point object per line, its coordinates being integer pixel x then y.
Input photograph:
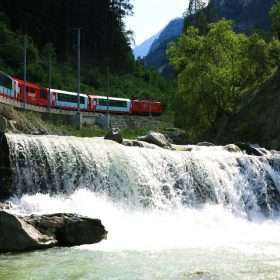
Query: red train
{"type": "Point", "coordinates": [34, 94]}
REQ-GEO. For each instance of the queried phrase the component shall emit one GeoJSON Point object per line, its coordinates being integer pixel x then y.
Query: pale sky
{"type": "Point", "coordinates": [151, 16]}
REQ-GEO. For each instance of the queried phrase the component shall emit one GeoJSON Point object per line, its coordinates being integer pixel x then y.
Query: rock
{"type": "Point", "coordinates": [232, 148]}
{"type": "Point", "coordinates": [18, 234]}
{"type": "Point", "coordinates": [5, 205]}
{"type": "Point", "coordinates": [156, 139]}
{"type": "Point", "coordinates": [182, 148]}
{"type": "Point", "coordinates": [6, 172]}
{"type": "Point", "coordinates": [205, 144]}
{"type": "Point", "coordinates": [136, 143]}
{"type": "Point", "coordinates": [12, 125]}
{"type": "Point", "coordinates": [251, 149]}
{"type": "Point", "coordinates": [69, 229]}
{"type": "Point", "coordinates": [115, 135]}
{"type": "Point", "coordinates": [133, 143]}
{"type": "Point", "coordinates": [176, 136]}
{"type": "Point", "coordinates": [3, 124]}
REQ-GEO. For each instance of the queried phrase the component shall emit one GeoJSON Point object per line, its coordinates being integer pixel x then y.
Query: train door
{"type": "Point", "coordinates": [53, 98]}
{"type": "Point", "coordinates": [16, 89]}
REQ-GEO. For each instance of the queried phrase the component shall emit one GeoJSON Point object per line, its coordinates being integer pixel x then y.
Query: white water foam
{"type": "Point", "coordinates": [154, 178]}
{"type": "Point", "coordinates": [211, 227]}
{"type": "Point", "coordinates": [153, 199]}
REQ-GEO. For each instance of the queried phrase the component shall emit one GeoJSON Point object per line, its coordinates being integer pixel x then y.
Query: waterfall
{"type": "Point", "coordinates": [147, 178]}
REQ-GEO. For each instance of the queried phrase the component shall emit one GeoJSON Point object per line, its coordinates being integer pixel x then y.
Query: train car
{"type": "Point", "coordinates": [68, 100]}
{"type": "Point", "coordinates": [116, 105]}
{"type": "Point", "coordinates": [8, 86]}
{"type": "Point", "coordinates": [35, 95]}
{"type": "Point", "coordinates": [145, 107]}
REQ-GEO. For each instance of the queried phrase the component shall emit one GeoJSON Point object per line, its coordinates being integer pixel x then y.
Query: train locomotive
{"type": "Point", "coordinates": [34, 94]}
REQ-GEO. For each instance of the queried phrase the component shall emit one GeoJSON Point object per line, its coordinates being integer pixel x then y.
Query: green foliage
{"type": "Point", "coordinates": [199, 15]}
{"type": "Point", "coordinates": [140, 83]}
{"type": "Point", "coordinates": [275, 17]}
{"type": "Point", "coordinates": [104, 40]}
{"type": "Point", "coordinates": [216, 72]}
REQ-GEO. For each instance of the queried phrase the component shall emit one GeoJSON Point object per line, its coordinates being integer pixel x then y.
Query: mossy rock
{"type": "Point", "coordinates": [3, 124]}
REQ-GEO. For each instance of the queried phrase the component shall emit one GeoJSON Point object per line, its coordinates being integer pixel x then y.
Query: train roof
{"type": "Point", "coordinates": [148, 101]}
{"type": "Point", "coordinates": [28, 84]}
{"type": "Point", "coordinates": [67, 92]}
{"type": "Point", "coordinates": [5, 74]}
{"type": "Point", "coordinates": [112, 98]}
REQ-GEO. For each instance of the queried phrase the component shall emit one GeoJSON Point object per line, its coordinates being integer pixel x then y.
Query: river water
{"type": "Point", "coordinates": [204, 214]}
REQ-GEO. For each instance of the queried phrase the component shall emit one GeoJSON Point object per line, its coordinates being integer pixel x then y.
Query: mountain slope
{"type": "Point", "coordinates": [143, 49]}
{"type": "Point", "coordinates": [248, 15]}
{"type": "Point", "coordinates": [157, 55]}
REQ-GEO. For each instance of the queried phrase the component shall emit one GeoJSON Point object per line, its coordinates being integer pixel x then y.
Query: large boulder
{"type": "Point", "coordinates": [6, 172]}
{"type": "Point", "coordinates": [34, 232]}
{"type": "Point", "coordinates": [16, 235]}
{"type": "Point", "coordinates": [251, 149]}
{"type": "Point", "coordinates": [156, 139]}
{"type": "Point", "coordinates": [3, 124]}
{"type": "Point", "coordinates": [69, 229]}
{"type": "Point", "coordinates": [114, 134]}
{"type": "Point", "coordinates": [177, 136]}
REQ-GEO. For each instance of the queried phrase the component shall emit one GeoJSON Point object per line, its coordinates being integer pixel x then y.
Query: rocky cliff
{"type": "Point", "coordinates": [248, 15]}
{"type": "Point", "coordinates": [157, 55]}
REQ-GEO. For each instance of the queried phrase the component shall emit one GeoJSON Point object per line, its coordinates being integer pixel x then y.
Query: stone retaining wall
{"type": "Point", "coordinates": [120, 121]}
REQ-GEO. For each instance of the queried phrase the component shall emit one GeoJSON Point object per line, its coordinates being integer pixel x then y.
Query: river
{"type": "Point", "coordinates": [203, 214]}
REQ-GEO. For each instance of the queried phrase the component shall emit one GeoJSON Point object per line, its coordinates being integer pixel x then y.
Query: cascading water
{"type": "Point", "coordinates": [146, 177]}
{"type": "Point", "coordinates": [203, 214]}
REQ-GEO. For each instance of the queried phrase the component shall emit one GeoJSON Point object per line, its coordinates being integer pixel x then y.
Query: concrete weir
{"type": "Point", "coordinates": [6, 173]}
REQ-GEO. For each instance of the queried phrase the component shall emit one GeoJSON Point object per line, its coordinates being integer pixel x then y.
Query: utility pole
{"type": "Point", "coordinates": [79, 68]}
{"type": "Point", "coordinates": [50, 82]}
{"type": "Point", "coordinates": [108, 103]}
{"type": "Point", "coordinates": [78, 116]}
{"type": "Point", "coordinates": [25, 70]}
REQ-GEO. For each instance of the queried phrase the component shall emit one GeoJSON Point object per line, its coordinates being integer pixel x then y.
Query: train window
{"type": "Point", "coordinates": [118, 103]}
{"type": "Point", "coordinates": [82, 100]}
{"type": "Point", "coordinates": [113, 103]}
{"type": "Point", "coordinates": [102, 102]}
{"type": "Point", "coordinates": [43, 94]}
{"type": "Point", "coordinates": [70, 98]}
{"type": "Point", "coordinates": [6, 81]}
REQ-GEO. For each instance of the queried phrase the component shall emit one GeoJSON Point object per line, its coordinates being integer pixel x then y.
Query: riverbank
{"type": "Point", "coordinates": [20, 121]}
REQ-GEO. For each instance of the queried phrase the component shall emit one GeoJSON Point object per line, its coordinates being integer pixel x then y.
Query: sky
{"type": "Point", "coordinates": [151, 16]}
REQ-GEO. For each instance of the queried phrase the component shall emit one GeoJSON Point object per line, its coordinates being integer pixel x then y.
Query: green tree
{"type": "Point", "coordinates": [275, 17]}
{"type": "Point", "coordinates": [215, 73]}
{"type": "Point", "coordinates": [105, 42]}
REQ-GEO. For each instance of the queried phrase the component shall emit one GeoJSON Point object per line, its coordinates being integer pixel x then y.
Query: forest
{"type": "Point", "coordinates": [107, 62]}
{"type": "Point", "coordinates": [219, 71]}
{"type": "Point", "coordinates": [220, 75]}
